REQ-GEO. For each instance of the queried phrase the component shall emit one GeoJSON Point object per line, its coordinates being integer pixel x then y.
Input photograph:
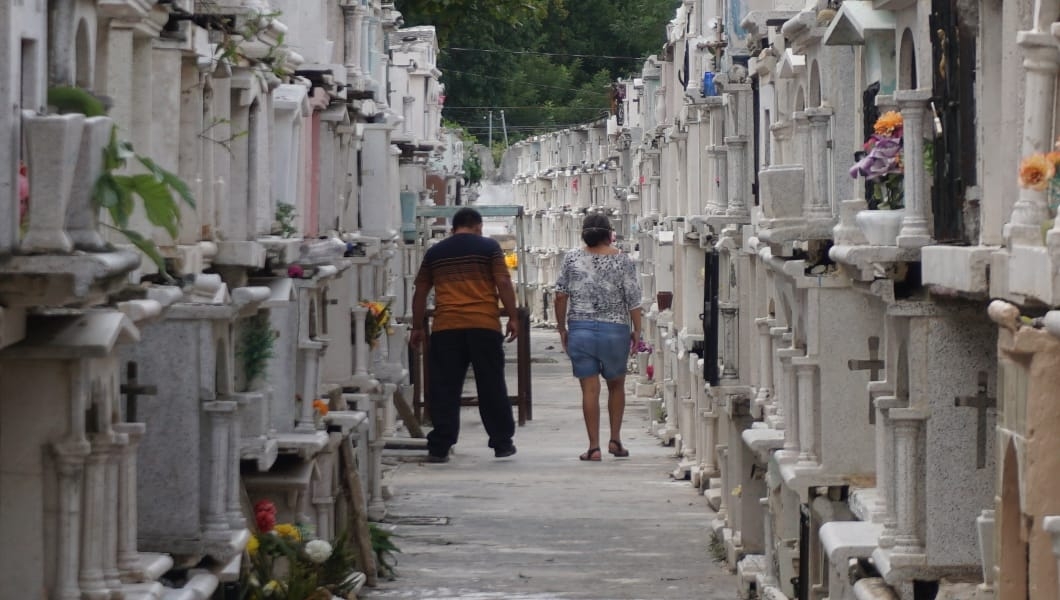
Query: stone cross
{"type": "Point", "coordinates": [980, 402]}
{"type": "Point", "coordinates": [873, 365]}
{"type": "Point", "coordinates": [133, 390]}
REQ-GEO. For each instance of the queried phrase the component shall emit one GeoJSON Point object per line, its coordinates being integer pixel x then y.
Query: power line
{"type": "Point", "coordinates": [541, 85]}
{"type": "Point", "coordinates": [636, 58]}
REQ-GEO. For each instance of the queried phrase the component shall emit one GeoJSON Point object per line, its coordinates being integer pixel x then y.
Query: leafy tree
{"type": "Point", "coordinates": [546, 63]}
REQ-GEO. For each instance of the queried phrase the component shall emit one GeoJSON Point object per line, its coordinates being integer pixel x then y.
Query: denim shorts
{"type": "Point", "coordinates": [597, 348]}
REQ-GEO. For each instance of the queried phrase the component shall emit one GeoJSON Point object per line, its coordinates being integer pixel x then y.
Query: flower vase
{"type": "Point", "coordinates": [881, 227]}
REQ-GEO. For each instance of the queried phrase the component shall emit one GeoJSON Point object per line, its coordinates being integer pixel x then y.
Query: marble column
{"type": "Point", "coordinates": [90, 578]}
{"type": "Point", "coordinates": [233, 504]}
{"type": "Point", "coordinates": [804, 142]}
{"type": "Point", "coordinates": [360, 346]}
{"type": "Point", "coordinates": [128, 556]}
{"type": "Point", "coordinates": [820, 120]}
{"type": "Point", "coordinates": [70, 465]}
{"type": "Point", "coordinates": [788, 389]}
{"type": "Point", "coordinates": [884, 510]}
{"type": "Point", "coordinates": [781, 339]}
{"type": "Point", "coordinates": [114, 450]}
{"type": "Point", "coordinates": [219, 414]}
{"type": "Point", "coordinates": [765, 362]}
{"type": "Point", "coordinates": [1042, 63]}
{"type": "Point", "coordinates": [726, 490]}
{"type": "Point", "coordinates": [708, 441]}
{"type": "Point", "coordinates": [310, 353]}
{"type": "Point", "coordinates": [717, 200]}
{"type": "Point", "coordinates": [908, 424]}
{"type": "Point", "coordinates": [915, 232]}
{"type": "Point", "coordinates": [805, 373]}
{"type": "Point", "coordinates": [352, 15]}
{"type": "Point", "coordinates": [729, 321]}
{"type": "Point", "coordinates": [736, 206]}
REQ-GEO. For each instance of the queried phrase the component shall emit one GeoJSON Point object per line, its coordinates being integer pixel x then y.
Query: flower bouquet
{"type": "Point", "coordinates": [1041, 172]}
{"type": "Point", "coordinates": [287, 564]}
{"type": "Point", "coordinates": [377, 322]}
{"type": "Point", "coordinates": [881, 163]}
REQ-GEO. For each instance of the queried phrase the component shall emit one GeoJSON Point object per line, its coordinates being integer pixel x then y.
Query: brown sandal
{"type": "Point", "coordinates": [616, 449]}
{"type": "Point", "coordinates": [592, 454]}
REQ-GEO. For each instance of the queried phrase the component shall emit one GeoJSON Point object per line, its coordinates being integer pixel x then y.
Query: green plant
{"type": "Point", "coordinates": [472, 169]}
{"type": "Point", "coordinates": [116, 192]}
{"type": "Point", "coordinates": [716, 548]}
{"type": "Point", "coordinates": [384, 550]}
{"type": "Point", "coordinates": [285, 219]}
{"type": "Point", "coordinates": [155, 188]}
{"type": "Point", "coordinates": [256, 346]}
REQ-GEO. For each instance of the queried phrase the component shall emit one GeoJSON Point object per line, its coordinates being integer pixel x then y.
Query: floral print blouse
{"type": "Point", "coordinates": [601, 287]}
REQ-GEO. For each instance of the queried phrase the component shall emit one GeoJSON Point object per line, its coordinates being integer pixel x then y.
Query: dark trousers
{"type": "Point", "coordinates": [450, 354]}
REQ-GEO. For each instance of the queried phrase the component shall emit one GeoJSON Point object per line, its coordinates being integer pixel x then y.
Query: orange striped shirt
{"type": "Point", "coordinates": [465, 270]}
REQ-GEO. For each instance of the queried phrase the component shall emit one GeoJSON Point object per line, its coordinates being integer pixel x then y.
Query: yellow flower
{"type": "Point", "coordinates": [288, 531]}
{"type": "Point", "coordinates": [511, 260]}
{"type": "Point", "coordinates": [1036, 171]}
{"type": "Point", "coordinates": [271, 587]}
{"type": "Point", "coordinates": [252, 545]}
{"type": "Point", "coordinates": [887, 123]}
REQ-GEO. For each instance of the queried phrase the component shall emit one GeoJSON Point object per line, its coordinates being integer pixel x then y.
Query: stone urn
{"type": "Point", "coordinates": [880, 227]}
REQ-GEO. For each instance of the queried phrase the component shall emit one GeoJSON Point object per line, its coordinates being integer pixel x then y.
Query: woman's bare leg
{"type": "Point", "coordinates": [591, 408]}
{"type": "Point", "coordinates": [616, 405]}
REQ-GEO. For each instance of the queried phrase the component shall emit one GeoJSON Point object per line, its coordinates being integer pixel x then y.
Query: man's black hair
{"type": "Point", "coordinates": [466, 217]}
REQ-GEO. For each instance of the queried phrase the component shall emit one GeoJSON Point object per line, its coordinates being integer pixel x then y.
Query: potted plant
{"type": "Point", "coordinates": [882, 166]}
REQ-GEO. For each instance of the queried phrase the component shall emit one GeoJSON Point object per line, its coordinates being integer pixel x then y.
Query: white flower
{"type": "Point", "coordinates": [318, 551]}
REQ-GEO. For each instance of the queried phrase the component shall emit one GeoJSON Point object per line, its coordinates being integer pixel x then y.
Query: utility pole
{"type": "Point", "coordinates": [491, 129]}
{"type": "Point", "coordinates": [504, 125]}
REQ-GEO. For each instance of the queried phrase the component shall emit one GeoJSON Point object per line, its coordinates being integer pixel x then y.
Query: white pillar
{"type": "Point", "coordinates": [805, 372]}
{"type": "Point", "coordinates": [233, 504]}
{"type": "Point", "coordinates": [915, 232]}
{"type": "Point", "coordinates": [128, 557]}
{"type": "Point", "coordinates": [70, 465]}
{"type": "Point", "coordinates": [90, 577]}
{"type": "Point", "coordinates": [907, 429]}
{"type": "Point", "coordinates": [113, 450]}
{"type": "Point", "coordinates": [219, 414]}
{"type": "Point", "coordinates": [820, 120]}
{"type": "Point", "coordinates": [718, 202]}
{"type": "Point", "coordinates": [1041, 62]}
{"type": "Point", "coordinates": [789, 392]}
{"type": "Point", "coordinates": [804, 142]}
{"type": "Point", "coordinates": [765, 362]}
{"type": "Point", "coordinates": [736, 205]}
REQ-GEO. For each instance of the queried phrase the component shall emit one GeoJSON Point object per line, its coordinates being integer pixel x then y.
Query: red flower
{"type": "Point", "coordinates": [265, 515]}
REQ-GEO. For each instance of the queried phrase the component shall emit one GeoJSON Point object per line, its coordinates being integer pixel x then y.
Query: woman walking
{"type": "Point", "coordinates": [598, 317]}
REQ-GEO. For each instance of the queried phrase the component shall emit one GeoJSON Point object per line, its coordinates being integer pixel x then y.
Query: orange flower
{"type": "Point", "coordinates": [887, 123]}
{"type": "Point", "coordinates": [1036, 171]}
{"type": "Point", "coordinates": [321, 407]}
{"type": "Point", "coordinates": [1054, 158]}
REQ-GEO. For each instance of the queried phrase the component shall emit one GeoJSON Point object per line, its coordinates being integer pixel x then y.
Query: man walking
{"type": "Point", "coordinates": [468, 274]}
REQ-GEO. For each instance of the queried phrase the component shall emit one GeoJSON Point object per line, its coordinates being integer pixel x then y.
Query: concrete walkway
{"type": "Point", "coordinates": [543, 525]}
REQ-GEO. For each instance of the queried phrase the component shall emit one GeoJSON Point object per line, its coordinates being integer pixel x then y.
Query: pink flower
{"type": "Point", "coordinates": [23, 190]}
{"type": "Point", "coordinates": [295, 272]}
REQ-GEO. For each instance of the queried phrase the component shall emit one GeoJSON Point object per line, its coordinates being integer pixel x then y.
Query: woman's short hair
{"type": "Point", "coordinates": [596, 229]}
